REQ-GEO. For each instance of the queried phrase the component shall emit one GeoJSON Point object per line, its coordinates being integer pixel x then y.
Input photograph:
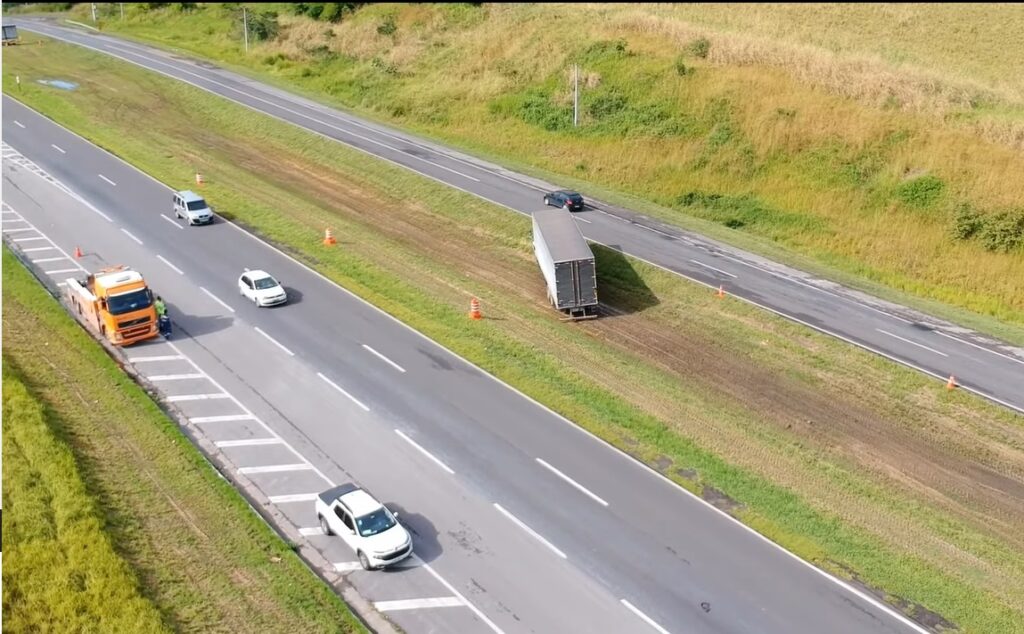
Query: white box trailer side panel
{"type": "Point", "coordinates": [544, 260]}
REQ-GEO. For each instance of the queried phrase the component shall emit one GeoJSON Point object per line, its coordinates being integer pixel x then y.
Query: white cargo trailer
{"type": "Point", "coordinates": [567, 263]}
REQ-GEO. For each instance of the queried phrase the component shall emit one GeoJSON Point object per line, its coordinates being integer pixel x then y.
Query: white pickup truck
{"type": "Point", "coordinates": [366, 525]}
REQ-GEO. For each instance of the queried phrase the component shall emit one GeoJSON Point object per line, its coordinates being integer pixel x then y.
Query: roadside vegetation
{"type": "Point", "coordinates": [113, 521]}
{"type": "Point", "coordinates": [870, 470]}
{"type": "Point", "coordinates": [807, 133]}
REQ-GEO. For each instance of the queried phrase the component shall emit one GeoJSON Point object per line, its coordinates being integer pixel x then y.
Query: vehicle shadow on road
{"type": "Point", "coordinates": [425, 543]}
{"type": "Point", "coordinates": [619, 286]}
{"type": "Point", "coordinates": [185, 325]}
{"type": "Point", "coordinates": [294, 295]}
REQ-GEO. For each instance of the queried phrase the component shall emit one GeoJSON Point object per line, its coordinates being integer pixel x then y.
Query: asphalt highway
{"type": "Point", "coordinates": [992, 369]}
{"type": "Point", "coordinates": [522, 521]}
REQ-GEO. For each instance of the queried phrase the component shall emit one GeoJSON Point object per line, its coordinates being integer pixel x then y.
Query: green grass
{"type": "Point", "coordinates": [825, 171]}
{"type": "Point", "coordinates": [114, 522]}
{"type": "Point", "coordinates": [424, 258]}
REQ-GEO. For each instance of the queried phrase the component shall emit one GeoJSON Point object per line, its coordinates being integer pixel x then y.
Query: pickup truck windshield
{"type": "Point", "coordinates": [135, 300]}
{"type": "Point", "coordinates": [373, 523]}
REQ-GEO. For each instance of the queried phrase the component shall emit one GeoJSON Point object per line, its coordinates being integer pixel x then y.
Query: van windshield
{"type": "Point", "coordinates": [135, 300]}
{"type": "Point", "coordinates": [196, 205]}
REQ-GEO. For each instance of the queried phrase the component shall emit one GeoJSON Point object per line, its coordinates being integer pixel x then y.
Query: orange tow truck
{"type": "Point", "coordinates": [117, 303]}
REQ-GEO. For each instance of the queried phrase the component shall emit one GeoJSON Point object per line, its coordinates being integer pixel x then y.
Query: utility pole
{"type": "Point", "coordinates": [122, 9]}
{"type": "Point", "coordinates": [575, 95]}
{"type": "Point", "coordinates": [94, 12]}
{"type": "Point", "coordinates": [245, 28]}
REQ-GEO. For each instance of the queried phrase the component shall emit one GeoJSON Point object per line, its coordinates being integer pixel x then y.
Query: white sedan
{"type": "Point", "coordinates": [261, 288]}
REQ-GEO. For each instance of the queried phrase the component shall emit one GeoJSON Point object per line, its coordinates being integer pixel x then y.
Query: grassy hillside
{"type": "Point", "coordinates": [914, 490]}
{"type": "Point", "coordinates": [113, 521]}
{"type": "Point", "coordinates": [879, 144]}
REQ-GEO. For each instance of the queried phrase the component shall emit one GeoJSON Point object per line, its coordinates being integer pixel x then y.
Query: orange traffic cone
{"type": "Point", "coordinates": [78, 253]}
{"type": "Point", "coordinates": [474, 309]}
{"type": "Point", "coordinates": [721, 292]}
{"type": "Point", "coordinates": [199, 179]}
{"type": "Point", "coordinates": [951, 383]}
{"type": "Point", "coordinates": [329, 238]}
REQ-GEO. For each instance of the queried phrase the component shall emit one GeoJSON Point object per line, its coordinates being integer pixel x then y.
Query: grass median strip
{"type": "Point", "coordinates": [759, 416]}
{"type": "Point", "coordinates": [113, 519]}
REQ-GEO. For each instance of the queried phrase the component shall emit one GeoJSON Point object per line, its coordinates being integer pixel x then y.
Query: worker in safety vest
{"type": "Point", "coordinates": [163, 321]}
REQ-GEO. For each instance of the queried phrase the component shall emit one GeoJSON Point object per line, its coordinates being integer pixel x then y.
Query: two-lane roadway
{"type": "Point", "coordinates": [989, 368]}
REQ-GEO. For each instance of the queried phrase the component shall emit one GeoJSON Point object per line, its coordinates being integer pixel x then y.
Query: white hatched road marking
{"type": "Point", "coordinates": [416, 604]}
{"type": "Point", "coordinates": [175, 377]}
{"type": "Point", "coordinates": [708, 266]}
{"type": "Point", "coordinates": [41, 260]}
{"type": "Point", "coordinates": [345, 566]}
{"type": "Point", "coordinates": [165, 357]}
{"type": "Point", "coordinates": [196, 397]}
{"type": "Point", "coordinates": [63, 271]}
{"type": "Point", "coordinates": [529, 530]}
{"type": "Point", "coordinates": [220, 419]}
{"type": "Point", "coordinates": [277, 468]}
{"type": "Point", "coordinates": [384, 359]}
{"type": "Point", "coordinates": [275, 342]}
{"type": "Point", "coordinates": [216, 299]}
{"type": "Point", "coordinates": [451, 588]}
{"type": "Point", "coordinates": [571, 481]}
{"type": "Point", "coordinates": [643, 616]}
{"type": "Point", "coordinates": [339, 388]}
{"type": "Point", "coordinates": [424, 452]}
{"type": "Point", "coordinates": [249, 442]}
{"type": "Point", "coordinates": [297, 497]}
{"type": "Point", "coordinates": [30, 239]}
{"type": "Point", "coordinates": [34, 249]}
{"type": "Point", "coordinates": [18, 230]}
{"type": "Point", "coordinates": [913, 343]}
{"type": "Point", "coordinates": [315, 530]}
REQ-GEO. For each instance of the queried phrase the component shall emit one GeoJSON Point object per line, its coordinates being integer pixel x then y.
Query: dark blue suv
{"type": "Point", "coordinates": [564, 198]}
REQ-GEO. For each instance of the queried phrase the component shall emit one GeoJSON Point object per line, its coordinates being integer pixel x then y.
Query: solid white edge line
{"type": "Point", "coordinates": [107, 179]}
{"type": "Point", "coordinates": [249, 442]}
{"type": "Point", "coordinates": [275, 342]}
{"type": "Point", "coordinates": [849, 588]}
{"type": "Point", "coordinates": [217, 299]}
{"type": "Point", "coordinates": [424, 452]}
{"type": "Point", "coordinates": [913, 343]}
{"type": "Point", "coordinates": [643, 616]}
{"type": "Point", "coordinates": [277, 468]}
{"type": "Point", "coordinates": [165, 261]}
{"type": "Point", "coordinates": [339, 388]}
{"type": "Point", "coordinates": [130, 235]}
{"type": "Point", "coordinates": [57, 148]}
{"type": "Point", "coordinates": [384, 359]}
{"type": "Point", "coordinates": [958, 339]}
{"type": "Point", "coordinates": [571, 481]}
{"type": "Point", "coordinates": [708, 266]}
{"type": "Point", "coordinates": [480, 615]}
{"type": "Point", "coordinates": [168, 218]}
{"type": "Point", "coordinates": [417, 604]}
{"type": "Point", "coordinates": [529, 530]}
